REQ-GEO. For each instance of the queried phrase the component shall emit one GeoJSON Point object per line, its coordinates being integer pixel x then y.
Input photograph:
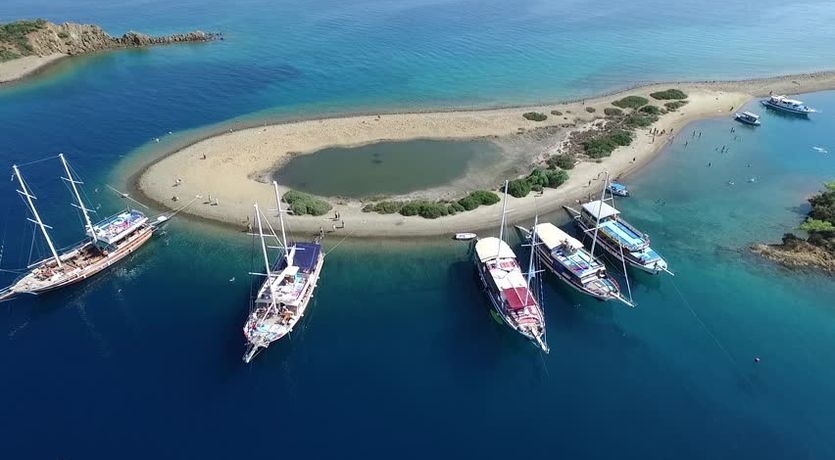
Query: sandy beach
{"type": "Point", "coordinates": [233, 171]}
{"type": "Point", "coordinates": [19, 68]}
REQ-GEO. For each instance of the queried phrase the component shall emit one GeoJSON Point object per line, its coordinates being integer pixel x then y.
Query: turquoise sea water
{"type": "Point", "coordinates": [399, 355]}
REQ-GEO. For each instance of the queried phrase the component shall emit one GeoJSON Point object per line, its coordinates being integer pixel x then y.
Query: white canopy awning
{"type": "Point", "coordinates": [552, 237]}
{"type": "Point", "coordinates": [595, 207]}
{"type": "Point", "coordinates": [490, 248]}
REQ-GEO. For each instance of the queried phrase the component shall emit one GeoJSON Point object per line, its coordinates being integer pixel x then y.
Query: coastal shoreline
{"type": "Point", "coordinates": [481, 122]}
{"type": "Point", "coordinates": [28, 67]}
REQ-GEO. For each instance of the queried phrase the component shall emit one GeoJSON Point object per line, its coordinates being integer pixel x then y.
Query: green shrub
{"type": "Point", "coordinates": [651, 109]}
{"type": "Point", "coordinates": [368, 208]}
{"type": "Point", "coordinates": [556, 177]}
{"type": "Point", "coordinates": [425, 209]}
{"type": "Point", "coordinates": [63, 35]}
{"type": "Point", "coordinates": [603, 145]}
{"type": "Point", "coordinates": [536, 179]}
{"type": "Point", "coordinates": [631, 102]}
{"type": "Point", "coordinates": [478, 198]}
{"type": "Point", "coordinates": [669, 94]}
{"type": "Point", "coordinates": [591, 109]}
{"type": "Point", "coordinates": [599, 147]}
{"type": "Point", "coordinates": [6, 55]}
{"type": "Point", "coordinates": [812, 225]}
{"type": "Point", "coordinates": [455, 208]}
{"type": "Point", "coordinates": [561, 161]}
{"type": "Point", "coordinates": [674, 105]}
{"type": "Point", "coordinates": [14, 34]}
{"type": "Point", "coordinates": [535, 116]}
{"type": "Point", "coordinates": [639, 119]}
{"type": "Point", "coordinates": [621, 137]}
{"type": "Point", "coordinates": [612, 112]}
{"type": "Point", "coordinates": [304, 204]}
{"type": "Point", "coordinates": [556, 113]}
{"type": "Point", "coordinates": [518, 188]}
{"type": "Point", "coordinates": [388, 207]}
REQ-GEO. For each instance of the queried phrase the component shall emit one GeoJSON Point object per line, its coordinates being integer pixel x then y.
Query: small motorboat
{"type": "Point", "coordinates": [464, 236]}
{"type": "Point", "coordinates": [616, 188]}
{"type": "Point", "coordinates": [748, 118]}
{"type": "Point", "coordinates": [785, 104]}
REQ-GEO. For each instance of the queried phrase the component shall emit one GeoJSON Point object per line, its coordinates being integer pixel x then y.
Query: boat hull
{"type": "Point", "coordinates": [786, 109]}
{"type": "Point", "coordinates": [257, 343]}
{"type": "Point", "coordinates": [562, 273]}
{"type": "Point", "coordinates": [747, 121]}
{"type": "Point", "coordinates": [30, 284]}
{"type": "Point", "coordinates": [613, 250]}
{"type": "Point", "coordinates": [496, 304]}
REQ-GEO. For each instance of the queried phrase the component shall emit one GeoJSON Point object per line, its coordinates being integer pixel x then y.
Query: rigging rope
{"type": "Point", "coordinates": [703, 325]}
{"type": "Point", "coordinates": [37, 161]}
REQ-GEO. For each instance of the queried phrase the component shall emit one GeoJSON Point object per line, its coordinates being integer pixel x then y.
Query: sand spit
{"type": "Point", "coordinates": [234, 166]}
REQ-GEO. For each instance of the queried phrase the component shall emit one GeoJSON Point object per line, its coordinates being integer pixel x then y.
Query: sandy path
{"type": "Point", "coordinates": [235, 160]}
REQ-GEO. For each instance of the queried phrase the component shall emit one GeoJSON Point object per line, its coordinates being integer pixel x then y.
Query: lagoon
{"type": "Point", "coordinates": [386, 168]}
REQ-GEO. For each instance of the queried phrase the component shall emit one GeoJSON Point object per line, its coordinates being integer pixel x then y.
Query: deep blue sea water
{"type": "Point", "coordinates": [399, 355]}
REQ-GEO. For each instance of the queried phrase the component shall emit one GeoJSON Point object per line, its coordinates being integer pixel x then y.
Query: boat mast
{"type": "Point", "coordinates": [73, 183]}
{"type": "Point", "coordinates": [599, 210]}
{"type": "Point", "coordinates": [501, 228]}
{"type": "Point", "coordinates": [263, 244]}
{"type": "Point", "coordinates": [281, 220]}
{"type": "Point", "coordinates": [531, 268]}
{"type": "Point", "coordinates": [37, 221]}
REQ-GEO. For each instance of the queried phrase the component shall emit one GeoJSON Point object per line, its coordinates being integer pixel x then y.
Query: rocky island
{"type": "Point", "coordinates": [818, 249]}
{"type": "Point", "coordinates": [27, 46]}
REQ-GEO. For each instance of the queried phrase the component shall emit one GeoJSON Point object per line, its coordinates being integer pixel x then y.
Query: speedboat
{"type": "Point", "coordinates": [616, 188]}
{"type": "Point", "coordinates": [748, 118]}
{"type": "Point", "coordinates": [784, 104]}
{"type": "Point", "coordinates": [464, 236]}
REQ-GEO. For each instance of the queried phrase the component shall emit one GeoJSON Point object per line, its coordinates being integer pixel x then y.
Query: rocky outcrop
{"type": "Point", "coordinates": [44, 38]}
{"type": "Point", "coordinates": [797, 253]}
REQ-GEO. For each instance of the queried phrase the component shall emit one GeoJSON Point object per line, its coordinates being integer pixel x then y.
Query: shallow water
{"type": "Point", "coordinates": [386, 168]}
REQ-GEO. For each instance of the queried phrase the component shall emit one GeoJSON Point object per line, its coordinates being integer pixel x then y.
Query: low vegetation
{"type": "Point", "coordinates": [535, 116]}
{"type": "Point", "coordinates": [478, 198]}
{"type": "Point", "coordinates": [674, 105]}
{"type": "Point", "coordinates": [561, 161]}
{"type": "Point", "coordinates": [304, 204]}
{"type": "Point", "coordinates": [13, 38]}
{"type": "Point", "coordinates": [556, 113]}
{"type": "Point", "coordinates": [591, 109]}
{"type": "Point", "coordinates": [387, 207]}
{"type": "Point", "coordinates": [818, 249]}
{"type": "Point", "coordinates": [639, 120]}
{"type": "Point", "coordinates": [669, 94]}
{"type": "Point", "coordinates": [603, 145]}
{"type": "Point", "coordinates": [631, 102]}
{"type": "Point", "coordinates": [651, 109]}
{"type": "Point", "coordinates": [612, 112]}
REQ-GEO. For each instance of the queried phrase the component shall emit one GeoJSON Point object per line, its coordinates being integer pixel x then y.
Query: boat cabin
{"type": "Point", "coordinates": [568, 251]}
{"type": "Point", "coordinates": [115, 228]}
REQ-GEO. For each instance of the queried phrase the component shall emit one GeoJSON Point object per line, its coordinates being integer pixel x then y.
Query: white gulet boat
{"type": "Point", "coordinates": [508, 288]}
{"type": "Point", "coordinates": [108, 241]}
{"type": "Point", "coordinates": [289, 283]}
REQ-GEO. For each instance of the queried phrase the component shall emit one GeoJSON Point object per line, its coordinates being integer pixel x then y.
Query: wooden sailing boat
{"type": "Point", "coordinates": [566, 258]}
{"type": "Point", "coordinates": [107, 242]}
{"type": "Point", "coordinates": [600, 221]}
{"type": "Point", "coordinates": [288, 286]}
{"type": "Point", "coordinates": [507, 287]}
